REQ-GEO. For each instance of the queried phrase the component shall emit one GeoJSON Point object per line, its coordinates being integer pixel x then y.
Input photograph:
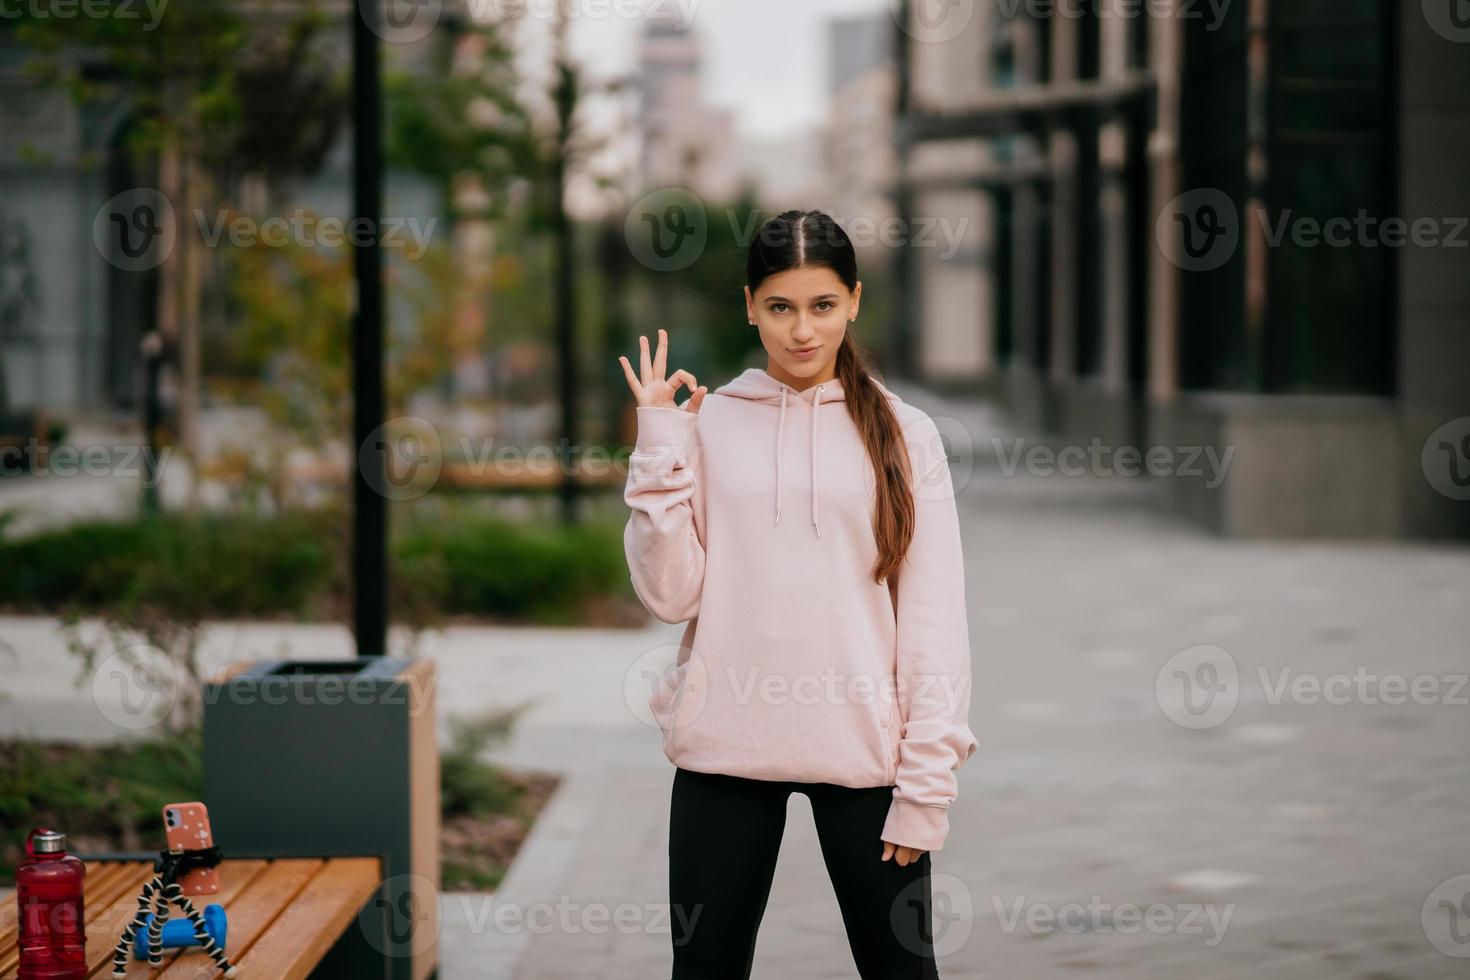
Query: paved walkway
{"type": "Point", "coordinates": [1094, 836]}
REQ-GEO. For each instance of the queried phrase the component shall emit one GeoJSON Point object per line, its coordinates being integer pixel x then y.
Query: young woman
{"type": "Point", "coordinates": [827, 654]}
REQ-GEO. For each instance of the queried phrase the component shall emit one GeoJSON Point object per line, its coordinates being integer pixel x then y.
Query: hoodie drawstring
{"type": "Point", "coordinates": [816, 404]}
{"type": "Point", "coordinates": [780, 430]}
{"type": "Point", "coordinates": [780, 427]}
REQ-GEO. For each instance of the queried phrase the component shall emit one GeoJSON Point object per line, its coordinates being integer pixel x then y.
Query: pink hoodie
{"type": "Point", "coordinates": [794, 659]}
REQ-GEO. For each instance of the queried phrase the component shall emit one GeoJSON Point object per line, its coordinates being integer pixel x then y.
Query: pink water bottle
{"type": "Point", "coordinates": [53, 933]}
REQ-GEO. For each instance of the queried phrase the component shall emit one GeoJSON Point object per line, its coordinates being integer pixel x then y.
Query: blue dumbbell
{"type": "Point", "coordinates": [180, 932]}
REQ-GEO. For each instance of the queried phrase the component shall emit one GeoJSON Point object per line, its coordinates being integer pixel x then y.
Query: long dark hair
{"type": "Point", "coordinates": [794, 239]}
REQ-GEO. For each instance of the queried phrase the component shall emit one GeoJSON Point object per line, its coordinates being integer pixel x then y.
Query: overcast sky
{"type": "Point", "coordinates": [766, 59]}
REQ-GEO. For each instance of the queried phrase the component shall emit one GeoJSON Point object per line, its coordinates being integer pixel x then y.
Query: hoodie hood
{"type": "Point", "coordinates": [754, 384]}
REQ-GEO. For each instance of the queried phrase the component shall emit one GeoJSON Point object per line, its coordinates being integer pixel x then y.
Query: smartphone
{"type": "Point", "coordinates": [186, 828]}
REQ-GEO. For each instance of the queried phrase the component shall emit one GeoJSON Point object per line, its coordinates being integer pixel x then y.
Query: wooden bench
{"type": "Point", "coordinates": [283, 916]}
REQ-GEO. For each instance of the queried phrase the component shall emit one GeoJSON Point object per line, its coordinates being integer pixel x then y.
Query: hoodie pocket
{"type": "Point", "coordinates": [673, 703]}
{"type": "Point", "coordinates": [892, 730]}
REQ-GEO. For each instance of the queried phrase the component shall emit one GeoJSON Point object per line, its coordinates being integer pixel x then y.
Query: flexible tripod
{"type": "Point", "coordinates": [164, 888]}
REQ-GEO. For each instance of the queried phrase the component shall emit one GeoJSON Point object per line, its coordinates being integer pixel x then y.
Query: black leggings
{"type": "Point", "coordinates": [724, 835]}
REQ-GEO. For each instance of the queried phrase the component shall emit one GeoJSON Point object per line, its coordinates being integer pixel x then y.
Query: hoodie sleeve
{"type": "Point", "coordinates": [662, 540]}
{"type": "Point", "coordinates": [933, 660]}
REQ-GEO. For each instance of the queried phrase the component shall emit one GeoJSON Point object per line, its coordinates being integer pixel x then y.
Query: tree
{"type": "Point", "coordinates": [215, 89]}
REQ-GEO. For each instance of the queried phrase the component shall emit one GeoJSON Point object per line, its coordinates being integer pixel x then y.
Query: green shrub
{"type": "Point", "coordinates": [194, 567]}
{"type": "Point", "coordinates": [235, 565]}
{"type": "Point", "coordinates": [101, 795]}
{"type": "Point", "coordinates": [495, 568]}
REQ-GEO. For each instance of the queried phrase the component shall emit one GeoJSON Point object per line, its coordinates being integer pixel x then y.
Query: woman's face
{"type": "Point", "coordinates": [802, 315]}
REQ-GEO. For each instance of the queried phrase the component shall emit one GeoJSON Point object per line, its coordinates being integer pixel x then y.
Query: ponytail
{"type": "Point", "coordinates": [893, 517]}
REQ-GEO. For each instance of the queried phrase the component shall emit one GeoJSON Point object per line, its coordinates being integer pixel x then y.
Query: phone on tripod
{"type": "Point", "coordinates": [186, 828]}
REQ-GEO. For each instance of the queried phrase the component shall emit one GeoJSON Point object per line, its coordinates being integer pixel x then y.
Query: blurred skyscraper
{"type": "Point", "coordinates": [1148, 184]}
{"type": "Point", "coordinates": [685, 143]}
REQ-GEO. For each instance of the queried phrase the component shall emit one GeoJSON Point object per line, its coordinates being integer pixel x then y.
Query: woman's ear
{"type": "Point", "coordinates": [749, 306]}
{"type": "Point", "coordinates": [857, 296]}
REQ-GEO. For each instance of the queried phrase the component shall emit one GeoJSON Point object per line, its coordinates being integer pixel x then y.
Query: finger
{"type": "Point", "coordinates": [644, 364]}
{"type": "Point", "coordinates": [682, 376]}
{"type": "Point", "coordinates": [887, 851]}
{"type": "Point", "coordinates": [632, 379]}
{"type": "Point", "coordinates": [696, 399]}
{"type": "Point", "coordinates": [661, 356]}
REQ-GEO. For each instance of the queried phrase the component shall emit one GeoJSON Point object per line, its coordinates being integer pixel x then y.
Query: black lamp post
{"type": "Point", "coordinates": [370, 517]}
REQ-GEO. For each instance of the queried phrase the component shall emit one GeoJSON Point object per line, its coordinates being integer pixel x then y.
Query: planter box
{"type": "Point", "coordinates": [307, 758]}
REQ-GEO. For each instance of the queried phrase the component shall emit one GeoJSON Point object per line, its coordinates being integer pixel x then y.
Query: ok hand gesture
{"type": "Point", "coordinates": [650, 387]}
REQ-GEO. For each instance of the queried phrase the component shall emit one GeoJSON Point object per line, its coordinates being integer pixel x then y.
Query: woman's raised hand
{"type": "Point", "coordinates": [650, 387]}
